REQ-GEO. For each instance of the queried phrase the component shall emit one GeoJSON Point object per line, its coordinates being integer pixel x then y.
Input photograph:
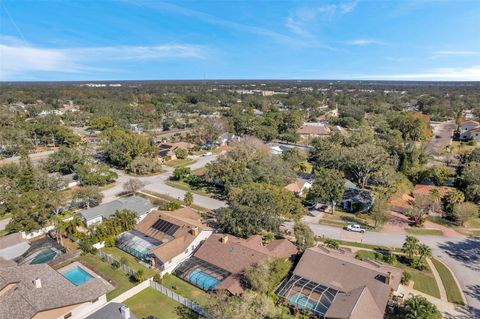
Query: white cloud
{"type": "Point", "coordinates": [362, 42]}
{"type": "Point", "coordinates": [443, 54]}
{"type": "Point", "coordinates": [439, 74]}
{"type": "Point", "coordinates": [18, 58]}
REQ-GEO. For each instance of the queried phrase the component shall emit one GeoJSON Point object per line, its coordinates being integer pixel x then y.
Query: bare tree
{"type": "Point", "coordinates": [133, 185]}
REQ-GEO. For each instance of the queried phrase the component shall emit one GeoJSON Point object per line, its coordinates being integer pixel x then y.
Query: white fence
{"type": "Point", "coordinates": [164, 290]}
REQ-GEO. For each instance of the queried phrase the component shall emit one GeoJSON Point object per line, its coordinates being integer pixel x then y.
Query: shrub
{"type": "Point", "coordinates": [173, 205]}
{"type": "Point", "coordinates": [332, 243]}
{"type": "Point", "coordinates": [406, 277]}
{"type": "Point", "coordinates": [158, 278]}
{"type": "Point", "coordinates": [139, 275]}
{"type": "Point", "coordinates": [115, 264]}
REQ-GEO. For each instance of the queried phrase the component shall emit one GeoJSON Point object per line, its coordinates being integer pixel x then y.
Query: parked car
{"type": "Point", "coordinates": [207, 154]}
{"type": "Point", "coordinates": [356, 228]}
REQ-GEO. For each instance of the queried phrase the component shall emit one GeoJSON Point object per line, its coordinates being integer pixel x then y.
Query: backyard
{"type": "Point", "coordinates": [150, 302]}
{"type": "Point", "coordinates": [185, 289]}
{"type": "Point", "coordinates": [129, 260]}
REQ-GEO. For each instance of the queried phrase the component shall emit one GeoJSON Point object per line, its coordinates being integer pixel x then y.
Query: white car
{"type": "Point", "coordinates": [356, 228]}
{"type": "Point", "coordinates": [207, 154]}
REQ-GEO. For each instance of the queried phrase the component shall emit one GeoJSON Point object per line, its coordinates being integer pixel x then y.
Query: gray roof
{"type": "Point", "coordinates": [13, 246]}
{"type": "Point", "coordinates": [23, 300]}
{"type": "Point", "coordinates": [136, 204]}
{"type": "Point", "coordinates": [110, 311]}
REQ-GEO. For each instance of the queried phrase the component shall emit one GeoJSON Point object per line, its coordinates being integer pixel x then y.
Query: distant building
{"type": "Point", "coordinates": [355, 199]}
{"type": "Point", "coordinates": [311, 130]}
{"type": "Point", "coordinates": [97, 214]}
{"type": "Point", "coordinates": [333, 284]}
{"type": "Point", "coordinates": [299, 186]}
{"type": "Point", "coordinates": [167, 150]}
{"type": "Point", "coordinates": [221, 260]}
{"type": "Point", "coordinates": [470, 130]}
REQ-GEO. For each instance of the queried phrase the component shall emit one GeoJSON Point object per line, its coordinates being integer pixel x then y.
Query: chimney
{"type": "Point", "coordinates": [224, 239]}
{"type": "Point", "coordinates": [194, 231]}
{"type": "Point", "coordinates": [125, 312]}
{"type": "Point", "coordinates": [37, 282]}
{"type": "Point", "coordinates": [388, 278]}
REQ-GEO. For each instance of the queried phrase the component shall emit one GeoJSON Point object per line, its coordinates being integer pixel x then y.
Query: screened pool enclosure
{"type": "Point", "coordinates": [201, 273]}
{"type": "Point", "coordinates": [307, 295]}
{"type": "Point", "coordinates": [137, 244]}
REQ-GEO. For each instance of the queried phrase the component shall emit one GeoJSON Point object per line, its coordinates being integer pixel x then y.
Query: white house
{"type": "Point", "coordinates": [470, 130]}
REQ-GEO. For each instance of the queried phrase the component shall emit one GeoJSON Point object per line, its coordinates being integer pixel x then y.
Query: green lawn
{"type": "Point", "coordinates": [473, 223]}
{"type": "Point", "coordinates": [424, 231]}
{"type": "Point", "coordinates": [185, 289]}
{"type": "Point", "coordinates": [131, 261]}
{"type": "Point", "coordinates": [453, 292]}
{"type": "Point", "coordinates": [151, 302]}
{"type": "Point", "coordinates": [424, 281]}
{"type": "Point", "coordinates": [116, 277]}
{"type": "Point", "coordinates": [368, 246]}
{"type": "Point", "coordinates": [186, 187]}
{"type": "Point", "coordinates": [333, 223]}
{"type": "Point", "coordinates": [180, 162]}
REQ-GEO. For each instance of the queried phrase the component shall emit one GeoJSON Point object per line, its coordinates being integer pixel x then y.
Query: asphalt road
{"type": "Point", "coordinates": [441, 137]}
{"type": "Point", "coordinates": [462, 255]}
{"type": "Point", "coordinates": [157, 184]}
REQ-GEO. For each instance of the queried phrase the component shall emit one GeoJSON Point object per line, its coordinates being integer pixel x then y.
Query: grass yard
{"type": "Point", "coordinates": [453, 291]}
{"type": "Point", "coordinates": [475, 233]}
{"type": "Point", "coordinates": [160, 199]}
{"type": "Point", "coordinates": [180, 162]}
{"type": "Point", "coordinates": [367, 246]}
{"type": "Point", "coordinates": [424, 231]}
{"type": "Point", "coordinates": [343, 218]}
{"type": "Point", "coordinates": [185, 289]}
{"type": "Point", "coordinates": [333, 223]}
{"type": "Point", "coordinates": [424, 281]}
{"type": "Point", "coordinates": [116, 277]}
{"type": "Point", "coordinates": [151, 302]}
{"type": "Point", "coordinates": [473, 223]}
{"type": "Point", "coordinates": [186, 187]}
{"type": "Point", "coordinates": [129, 260]}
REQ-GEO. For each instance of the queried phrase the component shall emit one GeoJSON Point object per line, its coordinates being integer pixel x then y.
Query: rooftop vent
{"type": "Point", "coordinates": [125, 312]}
{"type": "Point", "coordinates": [37, 282]}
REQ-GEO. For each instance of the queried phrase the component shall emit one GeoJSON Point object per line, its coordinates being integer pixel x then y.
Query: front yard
{"type": "Point", "coordinates": [424, 231]}
{"type": "Point", "coordinates": [424, 281]}
{"type": "Point", "coordinates": [180, 162]}
{"type": "Point", "coordinates": [453, 291]}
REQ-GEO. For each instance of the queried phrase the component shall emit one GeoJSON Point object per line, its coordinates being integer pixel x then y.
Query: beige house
{"type": "Point", "coordinates": [40, 292]}
{"type": "Point", "coordinates": [311, 130]}
{"type": "Point", "coordinates": [470, 130]}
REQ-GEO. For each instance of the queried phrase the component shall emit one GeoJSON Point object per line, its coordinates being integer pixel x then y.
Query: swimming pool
{"type": "Point", "coordinates": [202, 279]}
{"type": "Point", "coordinates": [77, 276]}
{"type": "Point", "coordinates": [44, 257]}
{"type": "Point", "coordinates": [301, 301]}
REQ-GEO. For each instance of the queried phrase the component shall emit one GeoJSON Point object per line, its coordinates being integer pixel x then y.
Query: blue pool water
{"type": "Point", "coordinates": [201, 279]}
{"type": "Point", "coordinates": [77, 276]}
{"type": "Point", "coordinates": [301, 301]}
{"type": "Point", "coordinates": [44, 257]}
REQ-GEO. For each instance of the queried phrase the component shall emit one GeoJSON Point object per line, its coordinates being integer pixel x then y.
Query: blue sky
{"type": "Point", "coordinates": [137, 39]}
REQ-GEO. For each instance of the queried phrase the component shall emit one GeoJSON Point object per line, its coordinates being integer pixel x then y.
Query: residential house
{"type": "Point", "coordinates": [334, 284]}
{"type": "Point", "coordinates": [310, 130]}
{"type": "Point", "coordinates": [221, 260]}
{"type": "Point", "coordinates": [470, 130]}
{"type": "Point", "coordinates": [355, 199]}
{"type": "Point", "coordinates": [97, 214]}
{"type": "Point", "coordinates": [167, 150]}
{"type": "Point", "coordinates": [165, 238]}
{"type": "Point", "coordinates": [225, 139]}
{"type": "Point", "coordinates": [299, 186]}
{"type": "Point", "coordinates": [40, 292]}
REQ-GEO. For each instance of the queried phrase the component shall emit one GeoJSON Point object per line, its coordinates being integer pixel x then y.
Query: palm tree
{"type": "Point", "coordinates": [410, 247]}
{"type": "Point", "coordinates": [60, 227]}
{"type": "Point", "coordinates": [73, 224]}
{"type": "Point", "coordinates": [418, 307]}
{"type": "Point", "coordinates": [424, 251]}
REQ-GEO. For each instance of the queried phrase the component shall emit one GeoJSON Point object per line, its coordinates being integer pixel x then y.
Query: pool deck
{"type": "Point", "coordinates": [76, 264]}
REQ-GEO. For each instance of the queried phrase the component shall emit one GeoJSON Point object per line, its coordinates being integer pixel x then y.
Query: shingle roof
{"type": "Point", "coordinates": [110, 311]}
{"type": "Point", "coordinates": [20, 299]}
{"type": "Point", "coordinates": [356, 304]}
{"type": "Point", "coordinates": [237, 254]}
{"type": "Point", "coordinates": [13, 246]}
{"type": "Point", "coordinates": [136, 204]}
{"type": "Point", "coordinates": [173, 243]}
{"type": "Point", "coordinates": [342, 271]}
{"type": "Point", "coordinates": [315, 129]}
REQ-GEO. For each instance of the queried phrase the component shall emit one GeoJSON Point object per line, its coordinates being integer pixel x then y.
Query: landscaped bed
{"type": "Point", "coordinates": [151, 302]}
{"type": "Point", "coordinates": [453, 292]}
